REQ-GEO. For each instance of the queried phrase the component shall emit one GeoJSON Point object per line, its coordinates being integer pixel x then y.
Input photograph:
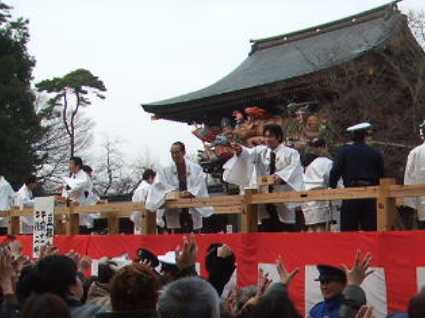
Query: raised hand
{"type": "Point", "coordinates": [359, 271]}
{"type": "Point", "coordinates": [7, 272]}
{"type": "Point", "coordinates": [84, 264]}
{"type": "Point", "coordinates": [263, 282]}
{"type": "Point", "coordinates": [224, 251]}
{"type": "Point", "coordinates": [48, 250]}
{"type": "Point", "coordinates": [365, 312]}
{"type": "Point", "coordinates": [187, 256]}
{"type": "Point", "coordinates": [286, 277]}
{"type": "Point", "coordinates": [231, 302]}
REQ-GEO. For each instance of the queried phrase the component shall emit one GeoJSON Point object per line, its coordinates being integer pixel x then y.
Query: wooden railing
{"type": "Point", "coordinates": [386, 194]}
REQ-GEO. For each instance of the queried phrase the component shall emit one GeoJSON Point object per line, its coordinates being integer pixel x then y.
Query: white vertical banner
{"type": "Point", "coordinates": [44, 223]}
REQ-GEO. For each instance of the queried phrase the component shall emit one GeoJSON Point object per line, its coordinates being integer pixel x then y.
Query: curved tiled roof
{"type": "Point", "coordinates": [286, 57]}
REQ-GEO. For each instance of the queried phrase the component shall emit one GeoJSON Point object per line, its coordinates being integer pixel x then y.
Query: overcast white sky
{"type": "Point", "coordinates": [146, 51]}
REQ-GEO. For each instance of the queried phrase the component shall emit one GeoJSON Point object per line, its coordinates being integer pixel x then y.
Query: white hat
{"type": "Point", "coordinates": [169, 258]}
{"type": "Point", "coordinates": [361, 126]}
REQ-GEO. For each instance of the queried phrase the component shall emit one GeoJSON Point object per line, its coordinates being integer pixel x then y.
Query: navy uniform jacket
{"type": "Point", "coordinates": [357, 162]}
{"type": "Point", "coordinates": [327, 309]}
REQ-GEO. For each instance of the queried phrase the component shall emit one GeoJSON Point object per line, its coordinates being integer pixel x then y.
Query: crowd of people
{"type": "Point", "coordinates": [168, 286]}
{"type": "Point", "coordinates": [356, 164]}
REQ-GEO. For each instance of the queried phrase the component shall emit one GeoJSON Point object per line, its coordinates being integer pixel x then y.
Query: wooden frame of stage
{"type": "Point", "coordinates": [386, 194]}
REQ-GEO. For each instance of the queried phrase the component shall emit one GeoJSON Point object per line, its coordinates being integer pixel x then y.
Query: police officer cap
{"type": "Point", "coordinates": [145, 254]}
{"type": "Point", "coordinates": [358, 127]}
{"type": "Point", "coordinates": [331, 273]}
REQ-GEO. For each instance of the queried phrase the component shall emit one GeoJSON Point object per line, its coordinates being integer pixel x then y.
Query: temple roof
{"type": "Point", "coordinates": [286, 57]}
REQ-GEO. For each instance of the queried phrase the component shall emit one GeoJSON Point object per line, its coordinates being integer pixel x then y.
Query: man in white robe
{"type": "Point", "coordinates": [139, 196]}
{"type": "Point", "coordinates": [189, 179]}
{"type": "Point", "coordinates": [24, 199]}
{"type": "Point", "coordinates": [317, 214]}
{"type": "Point", "coordinates": [7, 197]}
{"type": "Point", "coordinates": [90, 198]}
{"type": "Point", "coordinates": [273, 159]}
{"type": "Point", "coordinates": [415, 174]}
{"type": "Point", "coordinates": [78, 185]}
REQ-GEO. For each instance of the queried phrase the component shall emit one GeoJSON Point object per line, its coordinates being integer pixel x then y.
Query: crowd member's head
{"type": "Point", "coordinates": [31, 182]}
{"type": "Point", "coordinates": [134, 287]}
{"type": "Point", "coordinates": [178, 152]}
{"type": "Point", "coordinates": [273, 135]}
{"type": "Point", "coordinates": [318, 144]}
{"type": "Point", "coordinates": [189, 298]}
{"type": "Point", "coordinates": [149, 176]}
{"type": "Point", "coordinates": [25, 284]}
{"type": "Point", "coordinates": [75, 164]}
{"type": "Point", "coordinates": [58, 275]}
{"type": "Point", "coordinates": [87, 169]}
{"type": "Point", "coordinates": [281, 307]}
{"type": "Point", "coordinates": [106, 271]}
{"type": "Point", "coordinates": [332, 281]}
{"type": "Point", "coordinates": [45, 306]}
{"type": "Point", "coordinates": [417, 305]}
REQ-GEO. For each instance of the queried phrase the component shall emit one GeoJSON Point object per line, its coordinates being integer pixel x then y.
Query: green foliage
{"type": "Point", "coordinates": [20, 127]}
{"type": "Point", "coordinates": [80, 84]}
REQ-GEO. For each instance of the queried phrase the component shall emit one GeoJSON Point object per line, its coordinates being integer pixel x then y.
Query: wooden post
{"type": "Point", "coordinates": [14, 225]}
{"type": "Point", "coordinates": [385, 206]}
{"type": "Point", "coordinates": [148, 222]}
{"type": "Point", "coordinates": [249, 219]}
{"type": "Point", "coordinates": [74, 223]}
{"type": "Point", "coordinates": [113, 223]}
{"type": "Point", "coordinates": [60, 224]}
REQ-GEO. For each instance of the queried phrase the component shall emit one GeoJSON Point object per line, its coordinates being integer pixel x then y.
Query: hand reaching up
{"type": "Point", "coordinates": [187, 256]}
{"type": "Point", "coordinates": [285, 276]}
{"type": "Point", "coordinates": [7, 273]}
{"type": "Point", "coordinates": [359, 271]}
{"type": "Point", "coordinates": [263, 282]}
{"type": "Point", "coordinates": [365, 312]}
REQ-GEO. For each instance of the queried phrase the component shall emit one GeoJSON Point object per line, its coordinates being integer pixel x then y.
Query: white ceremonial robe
{"type": "Point", "coordinates": [316, 176]}
{"type": "Point", "coordinates": [24, 199]}
{"type": "Point", "coordinates": [245, 169]}
{"type": "Point", "coordinates": [87, 219]}
{"type": "Point", "coordinates": [79, 183]}
{"type": "Point", "coordinates": [7, 197]}
{"type": "Point", "coordinates": [167, 181]}
{"type": "Point", "coordinates": [415, 174]}
{"type": "Point", "coordinates": [139, 196]}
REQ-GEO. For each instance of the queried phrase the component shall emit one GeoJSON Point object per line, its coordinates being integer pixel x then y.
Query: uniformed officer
{"type": "Point", "coordinates": [358, 165]}
{"type": "Point", "coordinates": [332, 283]}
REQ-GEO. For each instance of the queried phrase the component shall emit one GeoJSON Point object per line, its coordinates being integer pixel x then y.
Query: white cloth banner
{"type": "Point", "coordinates": [44, 223]}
